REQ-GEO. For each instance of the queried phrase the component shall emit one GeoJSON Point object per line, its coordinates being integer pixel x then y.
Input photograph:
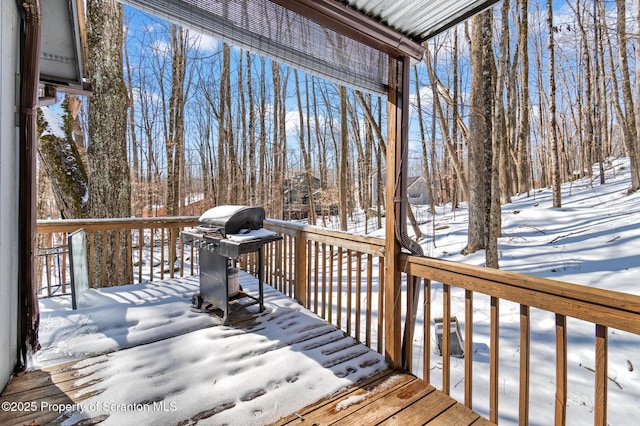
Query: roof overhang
{"type": "Point", "coordinates": [63, 46]}
{"type": "Point", "coordinates": [420, 20]}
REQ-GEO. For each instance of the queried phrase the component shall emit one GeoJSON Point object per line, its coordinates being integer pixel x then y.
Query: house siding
{"type": "Point", "coordinates": [9, 69]}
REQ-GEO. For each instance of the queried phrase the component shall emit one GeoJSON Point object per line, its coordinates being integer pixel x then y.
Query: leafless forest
{"type": "Point", "coordinates": [528, 94]}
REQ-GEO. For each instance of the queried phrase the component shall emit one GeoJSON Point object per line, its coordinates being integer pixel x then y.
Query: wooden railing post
{"type": "Point", "coordinates": [300, 269]}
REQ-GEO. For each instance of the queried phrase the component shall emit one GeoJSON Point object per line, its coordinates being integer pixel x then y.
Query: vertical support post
{"type": "Point", "coordinates": [300, 269]}
{"type": "Point", "coordinates": [396, 189]}
{"type": "Point", "coordinates": [602, 356]}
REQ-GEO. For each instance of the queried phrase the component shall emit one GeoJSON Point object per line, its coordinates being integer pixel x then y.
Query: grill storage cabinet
{"type": "Point", "coordinates": [223, 234]}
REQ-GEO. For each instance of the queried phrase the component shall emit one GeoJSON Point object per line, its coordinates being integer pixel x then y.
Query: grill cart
{"type": "Point", "coordinates": [223, 234]}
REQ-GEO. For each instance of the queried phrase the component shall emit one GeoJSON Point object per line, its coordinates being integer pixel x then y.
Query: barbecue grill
{"type": "Point", "coordinates": [223, 234]}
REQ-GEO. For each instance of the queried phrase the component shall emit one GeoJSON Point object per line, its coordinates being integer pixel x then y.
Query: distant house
{"type": "Point", "coordinates": [417, 190]}
{"type": "Point", "coordinates": [297, 191]}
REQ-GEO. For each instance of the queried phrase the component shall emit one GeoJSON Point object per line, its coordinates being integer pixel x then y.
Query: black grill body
{"type": "Point", "coordinates": [218, 253]}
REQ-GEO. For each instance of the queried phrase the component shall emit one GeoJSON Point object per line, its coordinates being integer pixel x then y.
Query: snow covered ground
{"type": "Point", "coordinates": [179, 368]}
{"type": "Point", "coordinates": [594, 240]}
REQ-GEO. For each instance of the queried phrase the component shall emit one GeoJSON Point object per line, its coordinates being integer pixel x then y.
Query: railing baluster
{"type": "Point", "coordinates": [525, 359]}
{"type": "Point", "coordinates": [292, 265]}
{"type": "Point", "coordinates": [357, 295]}
{"type": "Point", "coordinates": [446, 338]}
{"type": "Point", "coordinates": [162, 258]}
{"type": "Point", "coordinates": [426, 332]}
{"type": "Point", "coordinates": [468, 348]}
{"type": "Point", "coordinates": [349, 289]}
{"type": "Point", "coordinates": [116, 254]}
{"type": "Point", "coordinates": [91, 250]}
{"type": "Point", "coordinates": [330, 303]}
{"type": "Point", "coordinates": [381, 312]}
{"type": "Point", "coordinates": [140, 252]}
{"type": "Point", "coordinates": [324, 282]}
{"type": "Point", "coordinates": [284, 285]}
{"type": "Point", "coordinates": [103, 277]}
{"type": "Point", "coordinates": [494, 355]}
{"type": "Point", "coordinates": [602, 375]}
{"type": "Point", "coordinates": [316, 277]}
{"type": "Point", "coordinates": [339, 289]}
{"type": "Point", "coordinates": [561, 370]}
{"type": "Point", "coordinates": [407, 343]}
{"type": "Point", "coordinates": [129, 265]}
{"type": "Point", "coordinates": [151, 253]}
{"type": "Point", "coordinates": [309, 275]}
{"type": "Point", "coordinates": [63, 281]}
{"type": "Point", "coordinates": [181, 247]}
{"type": "Point", "coordinates": [369, 301]}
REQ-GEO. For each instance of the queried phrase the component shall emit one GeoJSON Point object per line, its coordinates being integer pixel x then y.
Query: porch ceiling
{"type": "Point", "coordinates": [419, 19]}
{"type": "Point", "coordinates": [346, 41]}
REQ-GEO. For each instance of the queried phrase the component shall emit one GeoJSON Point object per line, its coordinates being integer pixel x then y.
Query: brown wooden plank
{"type": "Point", "coordinates": [602, 356]}
{"type": "Point", "coordinates": [45, 403]}
{"type": "Point", "coordinates": [481, 421]}
{"type": "Point", "coordinates": [614, 309]}
{"type": "Point", "coordinates": [456, 414]}
{"type": "Point", "coordinates": [326, 411]}
{"type": "Point", "coordinates": [494, 356]}
{"type": "Point", "coordinates": [423, 410]}
{"type": "Point", "coordinates": [525, 364]}
{"type": "Point", "coordinates": [388, 405]}
{"type": "Point", "coordinates": [561, 371]}
{"type": "Point", "coordinates": [49, 375]}
{"type": "Point", "coordinates": [468, 348]}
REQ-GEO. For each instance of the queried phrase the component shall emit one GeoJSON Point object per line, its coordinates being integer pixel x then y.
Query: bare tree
{"type": "Point", "coordinates": [344, 158]}
{"type": "Point", "coordinates": [305, 155]}
{"type": "Point", "coordinates": [523, 164]}
{"type": "Point", "coordinates": [481, 143]}
{"type": "Point", "coordinates": [555, 158]}
{"type": "Point", "coordinates": [109, 179]}
{"type": "Point", "coordinates": [174, 142]}
{"type": "Point", "coordinates": [629, 119]}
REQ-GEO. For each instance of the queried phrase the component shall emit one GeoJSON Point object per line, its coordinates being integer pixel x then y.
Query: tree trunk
{"type": "Point", "coordinates": [344, 158]}
{"type": "Point", "coordinates": [63, 164]}
{"type": "Point", "coordinates": [175, 138]}
{"type": "Point", "coordinates": [553, 137]}
{"type": "Point", "coordinates": [305, 155]}
{"type": "Point", "coordinates": [252, 137]}
{"type": "Point", "coordinates": [109, 181]}
{"type": "Point", "coordinates": [631, 133]}
{"type": "Point", "coordinates": [444, 128]}
{"type": "Point", "coordinates": [523, 156]}
{"type": "Point", "coordinates": [423, 140]}
{"type": "Point", "coordinates": [480, 137]}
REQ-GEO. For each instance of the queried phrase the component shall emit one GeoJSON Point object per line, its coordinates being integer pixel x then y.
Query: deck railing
{"type": "Point", "coordinates": [153, 246]}
{"type": "Point", "coordinates": [340, 276]}
{"type": "Point", "coordinates": [321, 265]}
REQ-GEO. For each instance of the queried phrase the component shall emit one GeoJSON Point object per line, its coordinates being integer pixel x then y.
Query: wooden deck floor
{"type": "Point", "coordinates": [49, 396]}
{"type": "Point", "coordinates": [389, 398]}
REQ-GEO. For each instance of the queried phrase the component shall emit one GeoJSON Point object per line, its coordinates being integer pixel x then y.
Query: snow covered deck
{"type": "Point", "coordinates": [137, 354]}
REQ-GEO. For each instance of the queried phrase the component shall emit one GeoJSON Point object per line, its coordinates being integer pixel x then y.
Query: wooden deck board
{"type": "Point", "coordinates": [391, 398]}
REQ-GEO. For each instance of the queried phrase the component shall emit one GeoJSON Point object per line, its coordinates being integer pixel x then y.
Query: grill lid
{"type": "Point", "coordinates": [231, 219]}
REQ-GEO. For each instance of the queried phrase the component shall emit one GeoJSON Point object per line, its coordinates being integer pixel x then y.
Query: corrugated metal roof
{"type": "Point", "coordinates": [419, 19]}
